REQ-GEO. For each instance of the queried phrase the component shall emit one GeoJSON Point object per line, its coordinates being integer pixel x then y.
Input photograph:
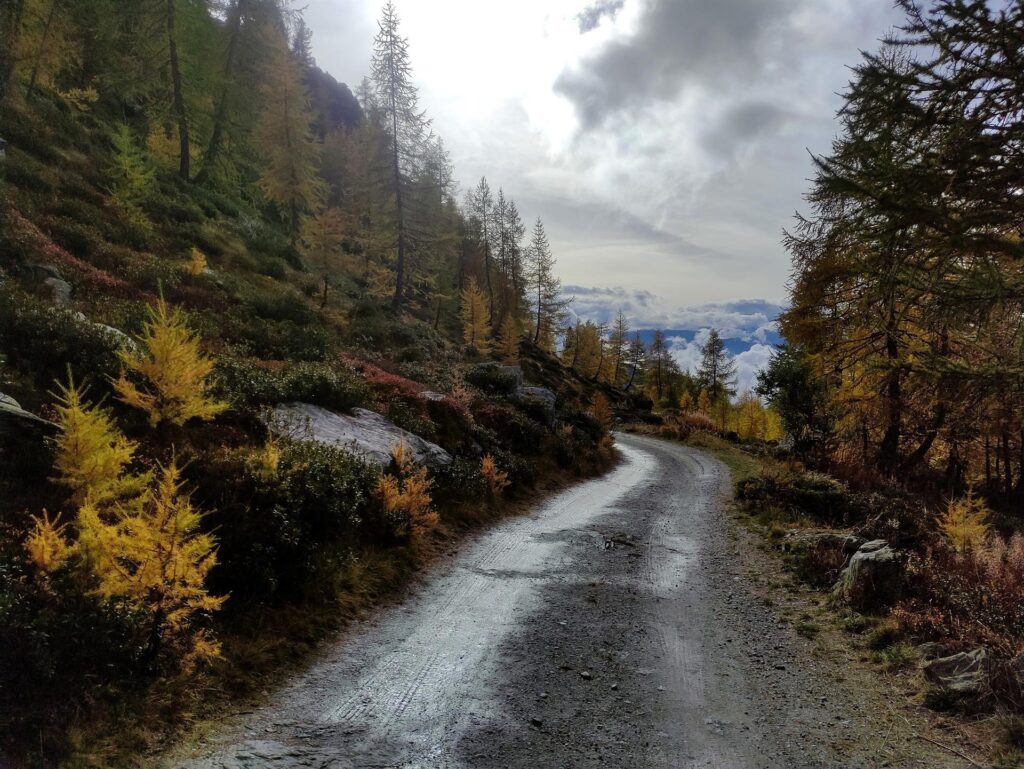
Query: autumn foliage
{"type": "Point", "coordinates": [167, 375]}
{"type": "Point", "coordinates": [405, 494]}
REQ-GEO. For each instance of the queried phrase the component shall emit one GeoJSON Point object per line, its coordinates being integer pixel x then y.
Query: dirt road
{"type": "Point", "coordinates": [613, 627]}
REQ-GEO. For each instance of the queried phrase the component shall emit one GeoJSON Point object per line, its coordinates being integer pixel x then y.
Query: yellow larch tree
{"type": "Point", "coordinates": [965, 523]}
{"type": "Point", "coordinates": [167, 375]}
{"type": "Point", "coordinates": [91, 452]}
{"type": "Point", "coordinates": [284, 140]}
{"type": "Point", "coordinates": [509, 336]}
{"type": "Point", "coordinates": [406, 494]}
{"type": "Point", "coordinates": [476, 331]}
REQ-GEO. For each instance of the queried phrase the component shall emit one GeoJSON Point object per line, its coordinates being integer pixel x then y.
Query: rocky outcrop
{"type": "Point", "coordinates": [962, 680]}
{"type": "Point", "coordinates": [872, 579]}
{"type": "Point", "coordinates": [362, 432]}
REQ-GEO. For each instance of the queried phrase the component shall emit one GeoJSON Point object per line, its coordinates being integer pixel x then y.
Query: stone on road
{"type": "Point", "coordinates": [539, 645]}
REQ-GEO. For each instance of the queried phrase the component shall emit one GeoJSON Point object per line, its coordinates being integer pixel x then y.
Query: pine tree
{"type": "Point", "coordinates": [717, 372]}
{"type": "Point", "coordinates": [618, 344]}
{"type": "Point", "coordinates": [405, 124]}
{"type": "Point", "coordinates": [545, 289]}
{"type": "Point", "coordinates": [476, 329]}
{"type": "Point", "coordinates": [636, 359]}
{"type": "Point", "coordinates": [285, 142]}
{"type": "Point", "coordinates": [166, 375]}
{"type": "Point", "coordinates": [480, 204]}
{"type": "Point", "coordinates": [151, 554]}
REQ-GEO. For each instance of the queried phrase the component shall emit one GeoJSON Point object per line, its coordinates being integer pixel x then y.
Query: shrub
{"type": "Point", "coordinates": [497, 481]}
{"type": "Point", "coordinates": [405, 497]}
{"type": "Point", "coordinates": [48, 340]}
{"type": "Point", "coordinates": [284, 528]}
{"type": "Point", "coordinates": [277, 340]}
{"type": "Point", "coordinates": [798, 493]}
{"type": "Point", "coordinates": [493, 378]}
{"type": "Point", "coordinates": [246, 385]}
{"type": "Point", "coordinates": [968, 597]}
{"type": "Point", "coordinates": [287, 307]}
{"type": "Point", "coordinates": [514, 431]}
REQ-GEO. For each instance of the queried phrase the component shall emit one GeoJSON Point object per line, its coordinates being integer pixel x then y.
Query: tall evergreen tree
{"type": "Point", "coordinates": [545, 289]}
{"type": "Point", "coordinates": [717, 372]}
{"type": "Point", "coordinates": [405, 124]}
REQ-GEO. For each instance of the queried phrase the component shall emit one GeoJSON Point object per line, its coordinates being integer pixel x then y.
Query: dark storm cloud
{"type": "Point", "coordinates": [590, 17]}
{"type": "Point", "coordinates": [744, 123]}
{"type": "Point", "coordinates": [678, 42]}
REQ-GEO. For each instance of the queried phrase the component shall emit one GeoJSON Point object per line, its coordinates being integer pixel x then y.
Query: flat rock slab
{"type": "Point", "coordinates": [362, 432]}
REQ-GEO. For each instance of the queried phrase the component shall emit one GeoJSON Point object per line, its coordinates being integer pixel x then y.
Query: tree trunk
{"type": "Point", "coordinates": [10, 29]}
{"type": "Point", "coordinates": [922, 451]}
{"type": "Point", "coordinates": [47, 27]}
{"type": "Point", "coordinates": [220, 115]}
{"type": "Point", "coordinates": [889, 448]}
{"type": "Point", "coordinates": [178, 96]}
{"type": "Point", "coordinates": [399, 211]}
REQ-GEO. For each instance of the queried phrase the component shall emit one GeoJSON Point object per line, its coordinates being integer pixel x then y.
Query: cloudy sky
{"type": "Point", "coordinates": [664, 142]}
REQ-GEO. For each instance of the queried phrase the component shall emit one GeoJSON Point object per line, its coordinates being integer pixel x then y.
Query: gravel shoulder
{"type": "Point", "coordinates": [626, 622]}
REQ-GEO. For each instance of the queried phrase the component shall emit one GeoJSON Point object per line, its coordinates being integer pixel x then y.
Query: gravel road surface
{"type": "Point", "coordinates": [614, 626]}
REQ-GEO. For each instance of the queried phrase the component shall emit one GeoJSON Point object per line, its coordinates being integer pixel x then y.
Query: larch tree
{"type": "Point", "coordinates": [284, 140]}
{"type": "Point", "coordinates": [405, 125]}
{"type": "Point", "coordinates": [476, 327]}
{"type": "Point", "coordinates": [322, 234]}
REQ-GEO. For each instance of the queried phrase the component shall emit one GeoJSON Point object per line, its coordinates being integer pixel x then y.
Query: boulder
{"type": "Point", "coordinates": [538, 402]}
{"type": "Point", "coordinates": [116, 335]}
{"type": "Point", "coordinates": [963, 680]}
{"type": "Point", "coordinates": [49, 276]}
{"type": "Point", "coordinates": [933, 651]}
{"type": "Point", "coordinates": [362, 432]}
{"type": "Point", "coordinates": [14, 418]}
{"type": "Point", "coordinates": [872, 579]}
{"type": "Point", "coordinates": [813, 539]}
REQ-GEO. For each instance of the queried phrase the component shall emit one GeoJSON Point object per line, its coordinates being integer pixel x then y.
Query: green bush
{"type": "Point", "coordinates": [246, 385]}
{"type": "Point", "coordinates": [284, 534]}
{"type": "Point", "coordinates": [799, 493]}
{"type": "Point", "coordinates": [284, 306]}
{"type": "Point", "coordinates": [493, 378]}
{"type": "Point", "coordinates": [45, 340]}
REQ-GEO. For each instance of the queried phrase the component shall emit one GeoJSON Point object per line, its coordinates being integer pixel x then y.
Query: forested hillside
{"type": "Point", "coordinates": [202, 234]}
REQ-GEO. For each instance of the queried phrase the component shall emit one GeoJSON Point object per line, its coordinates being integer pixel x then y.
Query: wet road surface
{"type": "Point", "coordinates": [611, 627]}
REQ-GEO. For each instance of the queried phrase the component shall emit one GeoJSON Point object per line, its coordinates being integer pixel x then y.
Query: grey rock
{"type": "Point", "coordinates": [804, 539]}
{"type": "Point", "coordinates": [873, 577]}
{"type": "Point", "coordinates": [430, 395]}
{"type": "Point", "coordinates": [61, 290]}
{"type": "Point", "coordinates": [538, 401]}
{"type": "Point", "coordinates": [933, 651]}
{"type": "Point", "coordinates": [14, 417]}
{"type": "Point", "coordinates": [362, 432]}
{"type": "Point", "coordinates": [965, 677]}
